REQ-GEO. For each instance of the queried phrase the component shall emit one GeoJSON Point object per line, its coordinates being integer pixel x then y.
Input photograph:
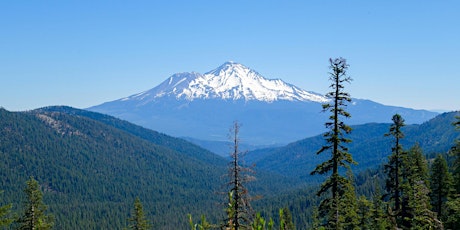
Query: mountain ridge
{"type": "Point", "coordinates": [202, 106]}
{"type": "Point", "coordinates": [230, 81]}
{"type": "Point", "coordinates": [369, 147]}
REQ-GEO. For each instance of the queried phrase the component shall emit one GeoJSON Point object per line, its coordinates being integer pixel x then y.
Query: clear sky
{"type": "Point", "coordinates": [83, 53]}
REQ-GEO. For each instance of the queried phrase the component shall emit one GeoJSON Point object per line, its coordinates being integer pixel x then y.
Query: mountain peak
{"type": "Point", "coordinates": [230, 81]}
{"type": "Point", "coordinates": [230, 66]}
{"type": "Point", "coordinates": [230, 63]}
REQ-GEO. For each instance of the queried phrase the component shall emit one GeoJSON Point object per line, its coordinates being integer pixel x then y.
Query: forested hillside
{"type": "Point", "coordinates": [370, 148]}
{"type": "Point", "coordinates": [91, 172]}
{"type": "Point", "coordinates": [91, 167]}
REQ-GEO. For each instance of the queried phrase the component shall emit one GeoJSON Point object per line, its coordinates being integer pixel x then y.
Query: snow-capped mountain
{"type": "Point", "coordinates": [203, 106]}
{"type": "Point", "coordinates": [230, 81]}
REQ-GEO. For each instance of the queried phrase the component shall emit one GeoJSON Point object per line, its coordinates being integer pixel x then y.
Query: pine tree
{"type": "Point", "coordinates": [260, 223]}
{"type": "Point", "coordinates": [453, 203]}
{"type": "Point", "coordinates": [416, 165]}
{"type": "Point", "coordinates": [455, 151]}
{"type": "Point", "coordinates": [349, 204]}
{"type": "Point", "coordinates": [421, 217]}
{"type": "Point", "coordinates": [316, 225]}
{"type": "Point", "coordinates": [394, 171]}
{"type": "Point", "coordinates": [286, 219]}
{"type": "Point", "coordinates": [34, 217]}
{"type": "Point", "coordinates": [5, 220]}
{"type": "Point", "coordinates": [453, 213]}
{"type": "Point", "coordinates": [239, 210]}
{"type": "Point", "coordinates": [380, 220]}
{"type": "Point", "coordinates": [416, 209]}
{"type": "Point", "coordinates": [336, 140]}
{"type": "Point", "coordinates": [204, 225]}
{"type": "Point", "coordinates": [441, 185]}
{"type": "Point", "coordinates": [137, 219]}
{"type": "Point", "coordinates": [365, 213]}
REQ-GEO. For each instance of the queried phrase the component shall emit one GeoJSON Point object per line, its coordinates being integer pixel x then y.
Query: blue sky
{"type": "Point", "coordinates": [83, 53]}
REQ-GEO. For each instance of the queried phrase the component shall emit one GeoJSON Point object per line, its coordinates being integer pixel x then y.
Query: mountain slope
{"type": "Point", "coordinates": [203, 106]}
{"type": "Point", "coordinates": [230, 81]}
{"type": "Point", "coordinates": [92, 166]}
{"type": "Point", "coordinates": [176, 144]}
{"type": "Point", "coordinates": [369, 147]}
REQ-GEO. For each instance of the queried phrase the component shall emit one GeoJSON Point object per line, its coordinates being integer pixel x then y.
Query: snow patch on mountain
{"type": "Point", "coordinates": [230, 81]}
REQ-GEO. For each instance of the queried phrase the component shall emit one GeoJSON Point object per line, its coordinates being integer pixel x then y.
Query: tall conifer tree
{"type": "Point", "coordinates": [34, 217]}
{"type": "Point", "coordinates": [5, 210]}
{"type": "Point", "coordinates": [453, 204]}
{"type": "Point", "coordinates": [416, 208]}
{"type": "Point", "coordinates": [336, 184]}
{"type": "Point", "coordinates": [393, 169]}
{"type": "Point", "coordinates": [441, 185]}
{"type": "Point", "coordinates": [455, 151]}
{"type": "Point", "coordinates": [379, 218]}
{"type": "Point", "coordinates": [286, 219]}
{"type": "Point", "coordinates": [365, 213]}
{"type": "Point", "coordinates": [137, 219]}
{"type": "Point", "coordinates": [239, 210]}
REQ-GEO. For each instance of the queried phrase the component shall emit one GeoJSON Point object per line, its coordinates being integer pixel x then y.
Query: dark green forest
{"type": "Point", "coordinates": [91, 168]}
{"type": "Point", "coordinates": [370, 148]}
{"type": "Point", "coordinates": [90, 172]}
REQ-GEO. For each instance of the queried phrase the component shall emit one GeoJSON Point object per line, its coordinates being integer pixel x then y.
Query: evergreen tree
{"type": "Point", "coordinates": [416, 209]}
{"type": "Point", "coordinates": [394, 171]}
{"type": "Point", "coordinates": [316, 225]}
{"type": "Point", "coordinates": [239, 211]}
{"type": "Point", "coordinates": [365, 213]}
{"type": "Point", "coordinates": [336, 184]}
{"type": "Point", "coordinates": [286, 219]}
{"type": "Point", "coordinates": [441, 185]}
{"type": "Point", "coordinates": [5, 220]}
{"type": "Point", "coordinates": [260, 223]}
{"type": "Point", "coordinates": [4, 212]}
{"type": "Point", "coordinates": [453, 213]}
{"type": "Point", "coordinates": [416, 165]}
{"type": "Point", "coordinates": [453, 204]}
{"type": "Point", "coordinates": [421, 217]}
{"type": "Point", "coordinates": [455, 151]}
{"type": "Point", "coordinates": [204, 225]}
{"type": "Point", "coordinates": [230, 210]}
{"type": "Point", "coordinates": [379, 220]}
{"type": "Point", "coordinates": [349, 204]}
{"type": "Point", "coordinates": [137, 219]}
{"type": "Point", "coordinates": [34, 217]}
